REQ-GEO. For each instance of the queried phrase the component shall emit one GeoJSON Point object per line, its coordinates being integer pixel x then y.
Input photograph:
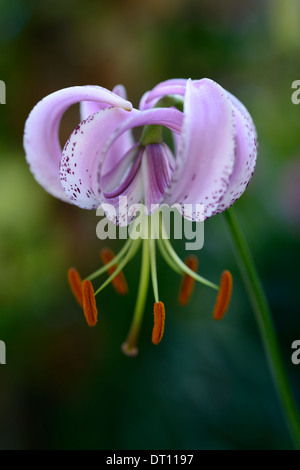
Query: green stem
{"type": "Point", "coordinates": [129, 347]}
{"type": "Point", "coordinates": [152, 134]}
{"type": "Point", "coordinates": [265, 325]}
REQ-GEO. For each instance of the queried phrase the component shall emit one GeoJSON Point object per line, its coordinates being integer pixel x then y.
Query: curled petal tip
{"type": "Point", "coordinates": [127, 106]}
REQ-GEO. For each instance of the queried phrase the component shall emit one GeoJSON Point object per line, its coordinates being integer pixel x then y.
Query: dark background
{"type": "Point", "coordinates": [207, 385]}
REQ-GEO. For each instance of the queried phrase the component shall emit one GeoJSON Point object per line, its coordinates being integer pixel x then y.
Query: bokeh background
{"type": "Point", "coordinates": [207, 385]}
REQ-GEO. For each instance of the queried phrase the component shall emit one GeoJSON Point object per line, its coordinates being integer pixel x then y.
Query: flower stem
{"type": "Point", "coordinates": [265, 325]}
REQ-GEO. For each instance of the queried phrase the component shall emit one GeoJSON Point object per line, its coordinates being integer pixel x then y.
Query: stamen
{"type": "Point", "coordinates": [172, 253]}
{"type": "Point", "coordinates": [75, 283]}
{"type": "Point", "coordinates": [113, 262]}
{"type": "Point", "coordinates": [187, 282]}
{"type": "Point", "coordinates": [129, 255]}
{"type": "Point", "coordinates": [119, 282]}
{"type": "Point", "coordinates": [224, 296]}
{"type": "Point", "coordinates": [159, 322]}
{"type": "Point", "coordinates": [167, 257]}
{"type": "Point", "coordinates": [89, 303]}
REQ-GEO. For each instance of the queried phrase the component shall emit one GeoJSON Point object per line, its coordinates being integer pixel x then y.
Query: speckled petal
{"type": "Point", "coordinates": [245, 158]}
{"type": "Point", "coordinates": [243, 111]}
{"type": "Point", "coordinates": [125, 141]}
{"type": "Point", "coordinates": [82, 153]}
{"type": "Point", "coordinates": [205, 157]}
{"type": "Point", "coordinates": [87, 108]}
{"type": "Point", "coordinates": [41, 139]}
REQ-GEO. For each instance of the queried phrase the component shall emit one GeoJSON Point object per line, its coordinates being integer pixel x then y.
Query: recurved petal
{"type": "Point", "coordinates": [41, 139]}
{"type": "Point", "coordinates": [245, 158]}
{"type": "Point", "coordinates": [122, 145]}
{"type": "Point", "coordinates": [174, 86]}
{"type": "Point", "coordinates": [120, 90]}
{"type": "Point", "coordinates": [91, 107]}
{"type": "Point", "coordinates": [243, 110]}
{"type": "Point", "coordinates": [171, 118]}
{"type": "Point", "coordinates": [82, 153]}
{"type": "Point", "coordinates": [205, 155]}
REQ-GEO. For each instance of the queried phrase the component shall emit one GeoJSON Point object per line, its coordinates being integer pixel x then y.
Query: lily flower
{"type": "Point", "coordinates": [210, 163]}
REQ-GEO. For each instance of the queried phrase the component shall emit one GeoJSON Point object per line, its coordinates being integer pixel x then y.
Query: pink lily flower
{"type": "Point", "coordinates": [212, 163]}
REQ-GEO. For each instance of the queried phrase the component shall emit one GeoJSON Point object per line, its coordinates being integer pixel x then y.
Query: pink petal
{"type": "Point", "coordinates": [243, 111]}
{"type": "Point", "coordinates": [87, 108]}
{"type": "Point", "coordinates": [205, 156]}
{"type": "Point", "coordinates": [82, 152]}
{"type": "Point", "coordinates": [90, 144]}
{"type": "Point", "coordinates": [115, 180]}
{"type": "Point", "coordinates": [41, 139]}
{"type": "Point", "coordinates": [119, 203]}
{"type": "Point", "coordinates": [120, 90]}
{"type": "Point", "coordinates": [122, 144]}
{"type": "Point", "coordinates": [171, 118]}
{"type": "Point", "coordinates": [91, 107]}
{"type": "Point", "coordinates": [168, 87]}
{"type": "Point", "coordinates": [245, 158]}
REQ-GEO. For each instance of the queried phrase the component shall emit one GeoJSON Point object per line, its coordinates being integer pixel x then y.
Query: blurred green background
{"type": "Point", "coordinates": [207, 385]}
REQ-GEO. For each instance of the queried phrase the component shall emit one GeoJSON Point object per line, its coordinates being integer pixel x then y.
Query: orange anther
{"type": "Point", "coordinates": [159, 322]}
{"type": "Point", "coordinates": [119, 282]}
{"type": "Point", "coordinates": [224, 296]}
{"type": "Point", "coordinates": [75, 283]}
{"type": "Point", "coordinates": [187, 282]}
{"type": "Point", "coordinates": [89, 303]}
